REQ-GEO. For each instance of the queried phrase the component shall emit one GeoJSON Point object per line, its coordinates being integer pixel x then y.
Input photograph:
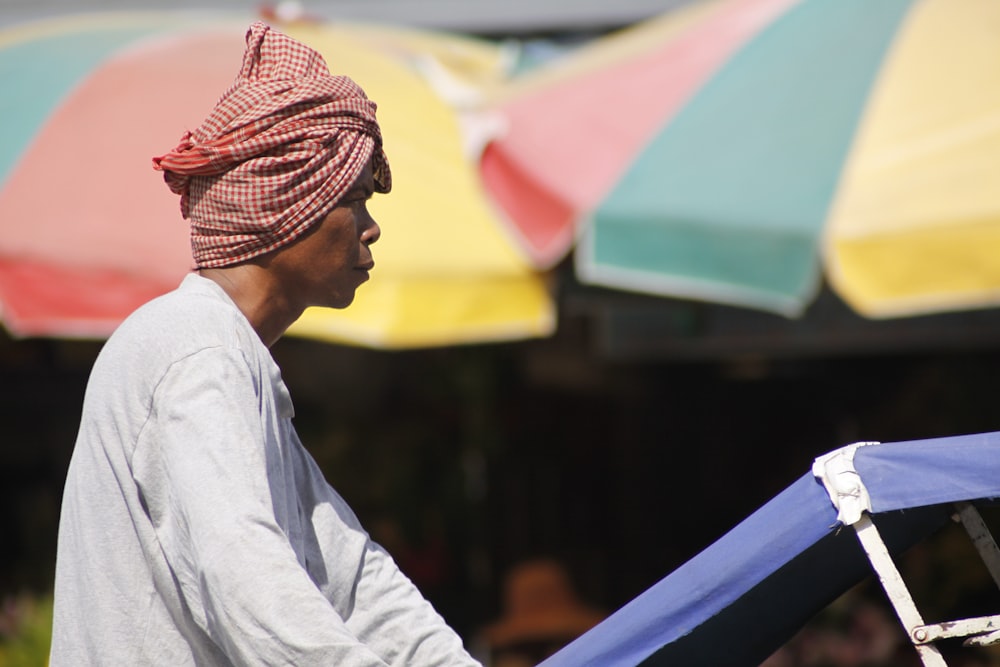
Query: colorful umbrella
{"type": "Point", "coordinates": [733, 150]}
{"type": "Point", "coordinates": [89, 231]}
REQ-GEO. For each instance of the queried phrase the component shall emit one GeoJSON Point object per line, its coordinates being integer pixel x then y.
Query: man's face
{"type": "Point", "coordinates": [329, 262]}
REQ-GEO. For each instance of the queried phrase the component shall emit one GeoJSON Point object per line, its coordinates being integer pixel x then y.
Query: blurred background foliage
{"type": "Point", "coordinates": [25, 630]}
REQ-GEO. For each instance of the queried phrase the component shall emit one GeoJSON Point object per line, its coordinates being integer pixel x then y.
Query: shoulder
{"type": "Point", "coordinates": [196, 315]}
{"type": "Point", "coordinates": [195, 318]}
{"type": "Point", "coordinates": [191, 333]}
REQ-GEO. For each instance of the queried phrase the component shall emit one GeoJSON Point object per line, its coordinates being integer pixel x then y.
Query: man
{"type": "Point", "coordinates": [196, 529]}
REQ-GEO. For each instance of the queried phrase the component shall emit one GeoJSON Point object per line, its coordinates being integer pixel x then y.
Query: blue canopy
{"type": "Point", "coordinates": [748, 593]}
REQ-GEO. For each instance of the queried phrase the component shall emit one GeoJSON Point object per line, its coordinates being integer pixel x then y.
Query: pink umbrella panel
{"type": "Point", "coordinates": [574, 127]}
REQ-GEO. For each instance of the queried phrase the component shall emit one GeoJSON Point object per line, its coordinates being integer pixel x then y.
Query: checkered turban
{"type": "Point", "coordinates": [280, 149]}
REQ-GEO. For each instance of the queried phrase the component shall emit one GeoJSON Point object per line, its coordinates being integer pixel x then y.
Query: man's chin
{"type": "Point", "coordinates": [343, 302]}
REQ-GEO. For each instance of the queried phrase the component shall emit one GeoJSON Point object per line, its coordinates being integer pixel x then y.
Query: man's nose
{"type": "Point", "coordinates": [371, 234]}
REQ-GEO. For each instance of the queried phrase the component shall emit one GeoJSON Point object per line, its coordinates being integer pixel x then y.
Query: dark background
{"type": "Point", "coordinates": [621, 445]}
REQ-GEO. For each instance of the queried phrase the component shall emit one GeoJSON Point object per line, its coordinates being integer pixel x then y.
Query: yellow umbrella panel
{"type": "Point", "coordinates": [445, 271]}
{"type": "Point", "coordinates": [915, 227]}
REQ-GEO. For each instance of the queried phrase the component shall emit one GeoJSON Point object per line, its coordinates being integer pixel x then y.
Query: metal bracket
{"type": "Point", "coordinates": [979, 631]}
{"type": "Point", "coordinates": [978, 628]}
{"type": "Point", "coordinates": [895, 588]}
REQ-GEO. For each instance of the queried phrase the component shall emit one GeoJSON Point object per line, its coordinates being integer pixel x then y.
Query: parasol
{"type": "Point", "coordinates": [89, 231]}
{"type": "Point", "coordinates": [738, 151]}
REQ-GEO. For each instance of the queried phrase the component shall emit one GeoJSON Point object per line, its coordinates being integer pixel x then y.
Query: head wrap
{"type": "Point", "coordinates": [280, 149]}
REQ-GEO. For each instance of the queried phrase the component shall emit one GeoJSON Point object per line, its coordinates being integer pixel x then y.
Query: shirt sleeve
{"type": "Point", "coordinates": [201, 468]}
{"type": "Point", "coordinates": [389, 612]}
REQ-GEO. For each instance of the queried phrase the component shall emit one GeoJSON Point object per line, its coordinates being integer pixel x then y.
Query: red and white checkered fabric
{"type": "Point", "coordinates": [277, 153]}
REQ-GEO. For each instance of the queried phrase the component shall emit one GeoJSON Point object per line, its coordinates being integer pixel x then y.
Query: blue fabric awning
{"type": "Point", "coordinates": [748, 593]}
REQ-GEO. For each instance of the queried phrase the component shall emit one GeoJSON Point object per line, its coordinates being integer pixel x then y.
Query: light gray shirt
{"type": "Point", "coordinates": [197, 530]}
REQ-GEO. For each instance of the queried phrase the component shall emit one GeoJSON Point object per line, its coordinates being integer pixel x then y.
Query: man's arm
{"type": "Point", "coordinates": [202, 469]}
{"type": "Point", "coordinates": [388, 612]}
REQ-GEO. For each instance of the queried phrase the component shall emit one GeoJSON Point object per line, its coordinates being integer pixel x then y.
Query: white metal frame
{"type": "Point", "coordinates": [978, 631]}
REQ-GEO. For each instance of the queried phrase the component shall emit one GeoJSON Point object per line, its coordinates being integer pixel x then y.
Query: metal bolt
{"type": "Point", "coordinates": [920, 635]}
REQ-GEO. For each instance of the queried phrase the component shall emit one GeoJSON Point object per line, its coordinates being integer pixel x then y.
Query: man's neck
{"type": "Point", "coordinates": [256, 295]}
